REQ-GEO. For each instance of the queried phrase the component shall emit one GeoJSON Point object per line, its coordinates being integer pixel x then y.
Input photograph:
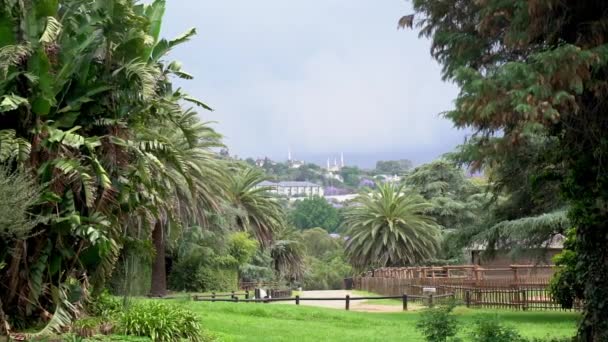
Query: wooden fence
{"type": "Point", "coordinates": [522, 287]}
{"type": "Point", "coordinates": [470, 275]}
{"type": "Point", "coordinates": [429, 300]}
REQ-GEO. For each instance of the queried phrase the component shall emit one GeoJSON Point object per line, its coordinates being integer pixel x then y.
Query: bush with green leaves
{"type": "Point", "coordinates": [161, 322]}
{"type": "Point", "coordinates": [86, 327]}
{"type": "Point", "coordinates": [104, 305]}
{"type": "Point", "coordinates": [208, 261]}
{"type": "Point", "coordinates": [490, 329]}
{"type": "Point", "coordinates": [439, 324]}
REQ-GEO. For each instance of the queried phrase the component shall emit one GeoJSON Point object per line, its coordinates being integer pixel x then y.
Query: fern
{"type": "Point", "coordinates": [12, 147]}
{"type": "Point", "coordinates": [12, 102]}
{"type": "Point", "coordinates": [37, 273]}
{"type": "Point", "coordinates": [11, 55]}
{"type": "Point", "coordinates": [145, 75]}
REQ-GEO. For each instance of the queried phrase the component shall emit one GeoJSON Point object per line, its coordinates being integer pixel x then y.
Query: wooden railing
{"type": "Point", "coordinates": [523, 287]}
{"type": "Point", "coordinates": [405, 299]}
{"type": "Point", "coordinates": [467, 274]}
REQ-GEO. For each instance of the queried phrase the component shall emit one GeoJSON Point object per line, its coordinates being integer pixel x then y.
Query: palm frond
{"type": "Point", "coordinates": [52, 31]}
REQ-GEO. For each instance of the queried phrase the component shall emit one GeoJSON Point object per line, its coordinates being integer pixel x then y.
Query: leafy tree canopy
{"type": "Point", "coordinates": [527, 64]}
{"type": "Point", "coordinates": [315, 212]}
{"type": "Point", "coordinates": [393, 167]}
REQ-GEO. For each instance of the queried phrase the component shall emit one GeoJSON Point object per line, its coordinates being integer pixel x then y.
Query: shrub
{"type": "Point", "coordinates": [189, 275]}
{"type": "Point", "coordinates": [489, 329]}
{"type": "Point", "coordinates": [439, 325]}
{"type": "Point", "coordinates": [161, 322]}
{"type": "Point", "coordinates": [104, 305]}
{"type": "Point", "coordinates": [85, 327]}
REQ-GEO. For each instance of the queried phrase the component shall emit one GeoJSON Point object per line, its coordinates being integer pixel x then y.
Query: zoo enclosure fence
{"type": "Point", "coordinates": [519, 287]}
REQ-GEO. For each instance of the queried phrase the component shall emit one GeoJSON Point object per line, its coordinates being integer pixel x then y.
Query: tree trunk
{"type": "Point", "coordinates": [592, 254]}
{"type": "Point", "coordinates": [586, 188]}
{"type": "Point", "coordinates": [159, 274]}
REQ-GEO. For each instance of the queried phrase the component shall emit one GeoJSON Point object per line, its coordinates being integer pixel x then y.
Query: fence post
{"type": "Point", "coordinates": [430, 300]}
{"type": "Point", "coordinates": [212, 296]}
{"type": "Point", "coordinates": [524, 304]}
{"type": "Point", "coordinates": [246, 294]}
{"type": "Point", "coordinates": [404, 302]}
{"type": "Point", "coordinates": [467, 298]}
{"type": "Point", "coordinates": [347, 302]}
{"type": "Point", "coordinates": [236, 299]}
{"type": "Point", "coordinates": [232, 294]}
{"type": "Point", "coordinates": [297, 299]}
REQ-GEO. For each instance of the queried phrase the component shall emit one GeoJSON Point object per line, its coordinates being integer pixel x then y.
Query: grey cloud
{"type": "Point", "coordinates": [321, 76]}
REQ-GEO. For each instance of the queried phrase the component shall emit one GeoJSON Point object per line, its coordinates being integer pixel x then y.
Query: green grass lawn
{"type": "Point", "coordinates": [276, 322]}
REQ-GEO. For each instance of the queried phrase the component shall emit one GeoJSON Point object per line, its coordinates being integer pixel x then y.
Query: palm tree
{"type": "Point", "coordinates": [88, 109]}
{"type": "Point", "coordinates": [288, 252]}
{"type": "Point", "coordinates": [389, 227]}
{"type": "Point", "coordinates": [259, 211]}
{"type": "Point", "coordinates": [190, 182]}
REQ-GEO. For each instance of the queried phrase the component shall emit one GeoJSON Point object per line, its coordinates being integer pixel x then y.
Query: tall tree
{"type": "Point", "coordinates": [393, 167]}
{"type": "Point", "coordinates": [523, 64]}
{"type": "Point", "coordinates": [457, 201]}
{"type": "Point", "coordinates": [87, 108]}
{"type": "Point", "coordinates": [259, 210]}
{"type": "Point", "coordinates": [389, 227]}
{"type": "Point", "coordinates": [315, 212]}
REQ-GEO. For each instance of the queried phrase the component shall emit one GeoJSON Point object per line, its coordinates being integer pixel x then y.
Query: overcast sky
{"type": "Point", "coordinates": [319, 76]}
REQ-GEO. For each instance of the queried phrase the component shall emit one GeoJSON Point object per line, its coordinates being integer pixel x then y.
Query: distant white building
{"type": "Point", "coordinates": [389, 178]}
{"type": "Point", "coordinates": [335, 167]}
{"type": "Point", "coordinates": [294, 164]}
{"type": "Point", "coordinates": [294, 189]}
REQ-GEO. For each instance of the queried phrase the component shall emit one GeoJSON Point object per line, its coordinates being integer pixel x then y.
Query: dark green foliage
{"type": "Point", "coordinates": [566, 285]}
{"type": "Point", "coordinates": [457, 201]}
{"type": "Point", "coordinates": [287, 253]}
{"type": "Point", "coordinates": [351, 175]}
{"type": "Point", "coordinates": [87, 109]}
{"type": "Point", "coordinates": [522, 65]}
{"type": "Point", "coordinates": [212, 279]}
{"type": "Point", "coordinates": [393, 167]}
{"type": "Point", "coordinates": [490, 329]}
{"type": "Point", "coordinates": [241, 247]}
{"type": "Point", "coordinates": [161, 322]}
{"type": "Point", "coordinates": [259, 269]}
{"type": "Point", "coordinates": [86, 327]}
{"type": "Point", "coordinates": [439, 324]}
{"type": "Point", "coordinates": [103, 305]}
{"type": "Point", "coordinates": [326, 266]}
{"type": "Point", "coordinates": [327, 273]}
{"type": "Point", "coordinates": [390, 227]}
{"type": "Point", "coordinates": [208, 261]}
{"type": "Point", "coordinates": [318, 243]}
{"type": "Point", "coordinates": [315, 212]}
{"type": "Point", "coordinates": [18, 194]}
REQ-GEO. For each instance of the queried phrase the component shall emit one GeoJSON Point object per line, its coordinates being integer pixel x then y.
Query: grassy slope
{"type": "Point", "coordinates": [265, 322]}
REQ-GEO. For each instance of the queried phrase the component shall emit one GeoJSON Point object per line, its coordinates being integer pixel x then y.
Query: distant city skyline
{"type": "Point", "coordinates": [361, 160]}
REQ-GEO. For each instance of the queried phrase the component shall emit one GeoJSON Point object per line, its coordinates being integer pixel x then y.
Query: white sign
{"type": "Point", "coordinates": [429, 290]}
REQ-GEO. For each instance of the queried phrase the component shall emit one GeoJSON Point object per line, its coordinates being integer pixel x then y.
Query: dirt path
{"type": "Point", "coordinates": [355, 305]}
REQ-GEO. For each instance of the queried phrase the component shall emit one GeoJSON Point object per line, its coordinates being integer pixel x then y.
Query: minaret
{"type": "Point", "coordinates": [328, 164]}
{"type": "Point", "coordinates": [342, 159]}
{"type": "Point", "coordinates": [289, 154]}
